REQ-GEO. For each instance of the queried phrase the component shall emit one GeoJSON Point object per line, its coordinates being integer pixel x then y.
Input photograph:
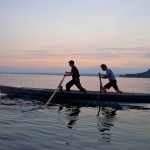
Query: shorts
{"type": "Point", "coordinates": [112, 83]}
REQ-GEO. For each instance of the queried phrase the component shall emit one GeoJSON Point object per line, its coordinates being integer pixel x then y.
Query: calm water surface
{"type": "Point", "coordinates": [24, 125]}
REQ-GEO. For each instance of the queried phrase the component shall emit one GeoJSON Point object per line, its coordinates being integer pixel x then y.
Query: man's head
{"type": "Point", "coordinates": [71, 63]}
{"type": "Point", "coordinates": [104, 67]}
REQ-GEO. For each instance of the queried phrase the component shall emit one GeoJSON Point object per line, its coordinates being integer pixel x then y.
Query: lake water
{"type": "Point", "coordinates": [24, 125]}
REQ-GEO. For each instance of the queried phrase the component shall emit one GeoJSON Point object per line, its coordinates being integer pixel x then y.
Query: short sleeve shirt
{"type": "Point", "coordinates": [111, 75]}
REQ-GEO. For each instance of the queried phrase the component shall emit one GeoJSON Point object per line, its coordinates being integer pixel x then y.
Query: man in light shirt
{"type": "Point", "coordinates": [112, 80]}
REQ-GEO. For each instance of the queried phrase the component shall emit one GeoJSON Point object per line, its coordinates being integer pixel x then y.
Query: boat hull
{"type": "Point", "coordinates": [77, 95]}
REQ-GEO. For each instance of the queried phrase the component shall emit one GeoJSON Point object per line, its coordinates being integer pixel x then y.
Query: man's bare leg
{"type": "Point", "coordinates": [104, 90]}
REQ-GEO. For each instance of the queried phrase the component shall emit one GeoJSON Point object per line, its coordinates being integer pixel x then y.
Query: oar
{"type": "Point", "coordinates": [101, 85]}
{"type": "Point", "coordinates": [55, 91]}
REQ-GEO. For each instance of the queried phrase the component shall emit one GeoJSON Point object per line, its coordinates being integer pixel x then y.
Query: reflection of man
{"type": "Point", "coordinates": [108, 112]}
{"type": "Point", "coordinates": [72, 114]}
{"type": "Point", "coordinates": [75, 77]}
{"type": "Point", "coordinates": [73, 117]}
{"type": "Point", "coordinates": [106, 121]}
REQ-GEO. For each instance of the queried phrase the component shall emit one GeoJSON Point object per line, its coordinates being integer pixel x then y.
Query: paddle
{"type": "Point", "coordinates": [55, 91]}
{"type": "Point", "coordinates": [101, 86]}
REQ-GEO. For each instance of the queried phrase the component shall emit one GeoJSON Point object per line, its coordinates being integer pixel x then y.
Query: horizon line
{"type": "Point", "coordinates": [38, 73]}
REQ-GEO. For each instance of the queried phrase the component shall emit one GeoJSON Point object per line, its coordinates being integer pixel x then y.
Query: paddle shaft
{"type": "Point", "coordinates": [55, 92]}
{"type": "Point", "coordinates": [101, 85]}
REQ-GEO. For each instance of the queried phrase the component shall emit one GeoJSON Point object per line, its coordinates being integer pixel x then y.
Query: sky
{"type": "Point", "coordinates": [43, 35]}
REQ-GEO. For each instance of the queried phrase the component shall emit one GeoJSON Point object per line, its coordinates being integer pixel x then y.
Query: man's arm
{"type": "Point", "coordinates": [104, 76]}
{"type": "Point", "coordinates": [68, 74]}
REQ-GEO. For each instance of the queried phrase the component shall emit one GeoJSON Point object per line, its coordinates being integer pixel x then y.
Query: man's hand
{"type": "Point", "coordinates": [67, 74]}
{"type": "Point", "coordinates": [104, 76]}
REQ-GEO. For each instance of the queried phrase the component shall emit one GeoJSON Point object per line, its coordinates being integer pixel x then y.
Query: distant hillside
{"type": "Point", "coordinates": [138, 75]}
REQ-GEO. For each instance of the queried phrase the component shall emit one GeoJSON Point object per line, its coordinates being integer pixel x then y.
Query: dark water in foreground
{"type": "Point", "coordinates": [24, 125]}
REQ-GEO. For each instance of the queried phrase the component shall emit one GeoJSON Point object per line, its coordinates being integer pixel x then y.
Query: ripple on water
{"type": "Point", "coordinates": [25, 125]}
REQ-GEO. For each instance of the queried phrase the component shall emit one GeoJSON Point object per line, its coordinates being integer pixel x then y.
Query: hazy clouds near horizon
{"type": "Point", "coordinates": [42, 36]}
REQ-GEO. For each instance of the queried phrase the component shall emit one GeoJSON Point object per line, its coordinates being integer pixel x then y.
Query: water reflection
{"type": "Point", "coordinates": [106, 116]}
{"type": "Point", "coordinates": [98, 124]}
{"type": "Point", "coordinates": [105, 119]}
{"type": "Point", "coordinates": [72, 113]}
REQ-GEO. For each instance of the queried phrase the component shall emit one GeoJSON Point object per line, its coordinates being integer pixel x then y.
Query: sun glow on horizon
{"type": "Point", "coordinates": [43, 35]}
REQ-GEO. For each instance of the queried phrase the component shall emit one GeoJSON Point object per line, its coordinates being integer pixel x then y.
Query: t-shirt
{"type": "Point", "coordinates": [75, 72]}
{"type": "Point", "coordinates": [111, 75]}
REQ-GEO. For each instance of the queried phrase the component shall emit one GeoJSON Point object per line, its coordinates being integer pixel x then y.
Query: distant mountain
{"type": "Point", "coordinates": [138, 75]}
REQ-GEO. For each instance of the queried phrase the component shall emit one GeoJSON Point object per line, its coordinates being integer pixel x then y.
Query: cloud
{"type": "Point", "coordinates": [9, 56]}
{"type": "Point", "coordinates": [125, 48]}
{"type": "Point", "coordinates": [3, 57]}
{"type": "Point", "coordinates": [102, 53]}
{"type": "Point", "coordinates": [67, 54]}
{"type": "Point", "coordinates": [147, 55]}
{"type": "Point", "coordinates": [55, 46]}
{"type": "Point", "coordinates": [41, 53]}
{"type": "Point", "coordinates": [125, 52]}
{"type": "Point", "coordinates": [45, 53]}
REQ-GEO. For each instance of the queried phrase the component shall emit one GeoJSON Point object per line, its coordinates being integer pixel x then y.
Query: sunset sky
{"type": "Point", "coordinates": [43, 35]}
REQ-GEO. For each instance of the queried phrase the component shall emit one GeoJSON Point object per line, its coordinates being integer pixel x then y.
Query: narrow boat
{"type": "Point", "coordinates": [77, 95]}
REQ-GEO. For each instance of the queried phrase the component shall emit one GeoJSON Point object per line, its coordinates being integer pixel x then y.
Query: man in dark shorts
{"type": "Point", "coordinates": [112, 80]}
{"type": "Point", "coordinates": [75, 78]}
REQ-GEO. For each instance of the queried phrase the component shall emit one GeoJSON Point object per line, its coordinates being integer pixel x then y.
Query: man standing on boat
{"type": "Point", "coordinates": [75, 78]}
{"type": "Point", "coordinates": [112, 80]}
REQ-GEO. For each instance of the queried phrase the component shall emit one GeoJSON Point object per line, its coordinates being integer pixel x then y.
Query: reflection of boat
{"type": "Point", "coordinates": [76, 95]}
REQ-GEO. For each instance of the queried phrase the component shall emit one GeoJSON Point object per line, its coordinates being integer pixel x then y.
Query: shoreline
{"type": "Point", "coordinates": [82, 74]}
